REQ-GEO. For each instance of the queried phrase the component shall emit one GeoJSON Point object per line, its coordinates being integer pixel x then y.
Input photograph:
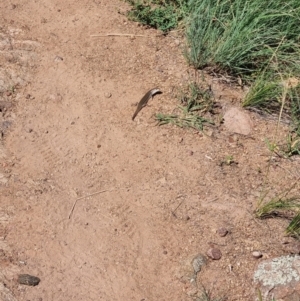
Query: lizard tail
{"type": "Point", "coordinates": [134, 115]}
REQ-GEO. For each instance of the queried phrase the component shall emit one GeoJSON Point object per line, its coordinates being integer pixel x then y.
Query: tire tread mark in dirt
{"type": "Point", "coordinates": [123, 213]}
{"type": "Point", "coordinates": [65, 146]}
{"type": "Point", "coordinates": [39, 152]}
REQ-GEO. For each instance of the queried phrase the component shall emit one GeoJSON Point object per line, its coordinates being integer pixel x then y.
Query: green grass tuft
{"type": "Point", "coordinates": [194, 104]}
{"type": "Point", "coordinates": [242, 36]}
{"type": "Point", "coordinates": [163, 15]}
{"type": "Point", "coordinates": [284, 207]}
{"type": "Point", "coordinates": [264, 93]}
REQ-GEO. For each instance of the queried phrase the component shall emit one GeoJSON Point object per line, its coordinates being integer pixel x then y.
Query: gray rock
{"type": "Point", "coordinates": [28, 279]}
{"type": "Point", "coordinates": [279, 278]}
{"type": "Point", "coordinates": [189, 268]}
{"type": "Point", "coordinates": [198, 262]}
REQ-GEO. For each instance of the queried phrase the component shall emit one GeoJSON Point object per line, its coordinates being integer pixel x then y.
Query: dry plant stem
{"type": "Point", "coordinates": [83, 197]}
{"type": "Point", "coordinates": [173, 212]}
{"type": "Point", "coordinates": [117, 35]}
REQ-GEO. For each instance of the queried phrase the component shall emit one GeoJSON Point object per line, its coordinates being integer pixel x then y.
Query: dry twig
{"type": "Point", "coordinates": [83, 197]}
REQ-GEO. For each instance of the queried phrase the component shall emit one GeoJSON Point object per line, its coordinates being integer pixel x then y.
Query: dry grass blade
{"type": "Point", "coordinates": [279, 207]}
{"type": "Point", "coordinates": [294, 226]}
{"type": "Point", "coordinates": [83, 197]}
{"type": "Point", "coordinates": [288, 208]}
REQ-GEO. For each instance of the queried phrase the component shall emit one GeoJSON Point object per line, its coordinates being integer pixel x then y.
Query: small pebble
{"type": "Point", "coordinates": [257, 254]}
{"type": "Point", "coordinates": [28, 279]}
{"type": "Point", "coordinates": [58, 59]}
{"type": "Point", "coordinates": [107, 95]}
{"type": "Point", "coordinates": [198, 262]}
{"type": "Point", "coordinates": [222, 232]}
{"type": "Point", "coordinates": [214, 253]}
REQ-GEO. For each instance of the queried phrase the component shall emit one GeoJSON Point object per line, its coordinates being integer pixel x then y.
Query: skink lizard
{"type": "Point", "coordinates": [143, 102]}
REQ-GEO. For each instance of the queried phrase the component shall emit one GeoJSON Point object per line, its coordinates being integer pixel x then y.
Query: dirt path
{"type": "Point", "coordinates": [71, 135]}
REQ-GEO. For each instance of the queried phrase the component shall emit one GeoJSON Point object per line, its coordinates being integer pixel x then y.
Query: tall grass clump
{"type": "Point", "coordinates": [241, 37]}
{"type": "Point", "coordinates": [258, 41]}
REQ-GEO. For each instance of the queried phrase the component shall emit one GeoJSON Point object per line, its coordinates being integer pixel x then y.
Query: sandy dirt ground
{"type": "Point", "coordinates": [160, 193]}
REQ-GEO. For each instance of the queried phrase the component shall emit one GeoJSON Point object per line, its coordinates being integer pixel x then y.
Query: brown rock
{"type": "Point", "coordinates": [214, 253]}
{"type": "Point", "coordinates": [198, 262]}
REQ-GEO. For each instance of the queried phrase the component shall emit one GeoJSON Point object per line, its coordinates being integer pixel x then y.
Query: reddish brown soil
{"type": "Point", "coordinates": [69, 134]}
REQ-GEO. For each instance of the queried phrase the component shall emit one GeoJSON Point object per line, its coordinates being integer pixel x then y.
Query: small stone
{"type": "Point", "coordinates": [214, 253]}
{"type": "Point", "coordinates": [28, 279]}
{"type": "Point", "coordinates": [107, 95]}
{"type": "Point", "coordinates": [222, 232]}
{"type": "Point", "coordinates": [257, 254]}
{"type": "Point", "coordinates": [58, 59]}
{"type": "Point", "coordinates": [198, 262]}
